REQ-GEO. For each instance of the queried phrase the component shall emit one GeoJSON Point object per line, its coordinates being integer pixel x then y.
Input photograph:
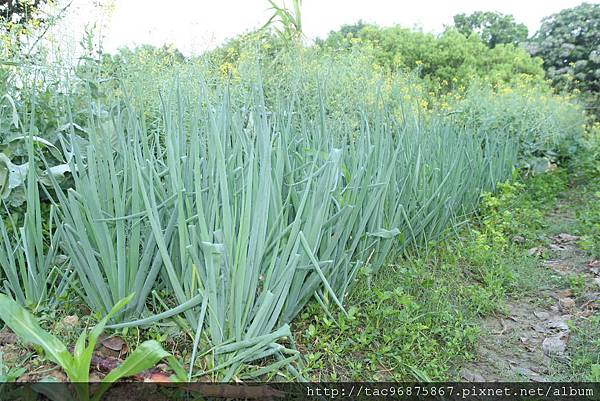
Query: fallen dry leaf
{"type": "Point", "coordinates": [115, 343]}
{"type": "Point", "coordinates": [566, 303]}
{"type": "Point", "coordinates": [70, 320]}
{"type": "Point", "coordinates": [593, 263]}
{"type": "Point", "coordinates": [586, 313]}
{"type": "Point", "coordinates": [158, 377]}
{"type": "Point", "coordinates": [7, 337]}
{"type": "Point", "coordinates": [565, 293]}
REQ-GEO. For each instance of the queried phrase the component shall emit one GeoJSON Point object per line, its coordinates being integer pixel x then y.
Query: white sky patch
{"type": "Point", "coordinates": [196, 25]}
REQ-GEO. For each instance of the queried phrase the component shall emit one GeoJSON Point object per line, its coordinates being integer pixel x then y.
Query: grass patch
{"type": "Point", "coordinates": [418, 318]}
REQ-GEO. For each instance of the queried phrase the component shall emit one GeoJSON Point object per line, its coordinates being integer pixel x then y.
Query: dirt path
{"type": "Point", "coordinates": [531, 341]}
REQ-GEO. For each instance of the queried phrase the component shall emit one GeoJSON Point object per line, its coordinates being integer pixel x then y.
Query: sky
{"type": "Point", "coordinates": [197, 25]}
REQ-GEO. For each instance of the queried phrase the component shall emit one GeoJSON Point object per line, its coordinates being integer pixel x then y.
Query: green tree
{"type": "Point", "coordinates": [569, 43]}
{"type": "Point", "coordinates": [492, 27]}
{"type": "Point", "coordinates": [449, 61]}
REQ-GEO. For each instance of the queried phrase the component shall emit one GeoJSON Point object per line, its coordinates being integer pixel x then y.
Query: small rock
{"type": "Point", "coordinates": [539, 329]}
{"type": "Point", "coordinates": [554, 345]}
{"type": "Point", "coordinates": [557, 248]}
{"type": "Point", "coordinates": [566, 303]}
{"type": "Point", "coordinates": [563, 237]}
{"type": "Point", "coordinates": [70, 321]}
{"type": "Point", "coordinates": [542, 315]}
{"type": "Point", "coordinates": [530, 374]}
{"type": "Point", "coordinates": [535, 251]}
{"type": "Point", "coordinates": [471, 376]}
{"type": "Point", "coordinates": [518, 239]}
{"type": "Point", "coordinates": [558, 324]}
{"type": "Point", "coordinates": [590, 297]}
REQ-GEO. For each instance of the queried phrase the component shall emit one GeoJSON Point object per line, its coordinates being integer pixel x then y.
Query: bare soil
{"type": "Point", "coordinates": [530, 341]}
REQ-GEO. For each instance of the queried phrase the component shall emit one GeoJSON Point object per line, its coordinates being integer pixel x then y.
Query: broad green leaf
{"type": "Point", "coordinates": [145, 356]}
{"type": "Point", "coordinates": [84, 354]}
{"type": "Point", "coordinates": [26, 327]}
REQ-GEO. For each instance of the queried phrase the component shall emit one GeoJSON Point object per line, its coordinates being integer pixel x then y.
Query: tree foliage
{"type": "Point", "coordinates": [569, 43]}
{"type": "Point", "coordinates": [492, 27]}
{"type": "Point", "coordinates": [450, 60]}
{"type": "Point", "coordinates": [20, 11]}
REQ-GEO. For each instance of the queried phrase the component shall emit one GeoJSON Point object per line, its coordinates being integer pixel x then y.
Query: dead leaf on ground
{"type": "Point", "coordinates": [564, 293]}
{"type": "Point", "coordinates": [70, 320]}
{"type": "Point", "coordinates": [566, 303]}
{"type": "Point", "coordinates": [113, 346]}
{"type": "Point", "coordinates": [585, 313]}
{"type": "Point", "coordinates": [115, 343]}
{"type": "Point", "coordinates": [7, 337]}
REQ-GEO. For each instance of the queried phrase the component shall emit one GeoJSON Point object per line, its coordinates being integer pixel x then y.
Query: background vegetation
{"type": "Point", "coordinates": [228, 191]}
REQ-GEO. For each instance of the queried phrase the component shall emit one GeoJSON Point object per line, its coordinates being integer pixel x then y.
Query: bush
{"type": "Point", "coordinates": [569, 43]}
{"type": "Point", "coordinates": [547, 126]}
{"type": "Point", "coordinates": [449, 61]}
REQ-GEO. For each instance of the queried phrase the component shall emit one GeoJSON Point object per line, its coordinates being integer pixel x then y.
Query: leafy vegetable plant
{"type": "Point", "coordinates": [77, 364]}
